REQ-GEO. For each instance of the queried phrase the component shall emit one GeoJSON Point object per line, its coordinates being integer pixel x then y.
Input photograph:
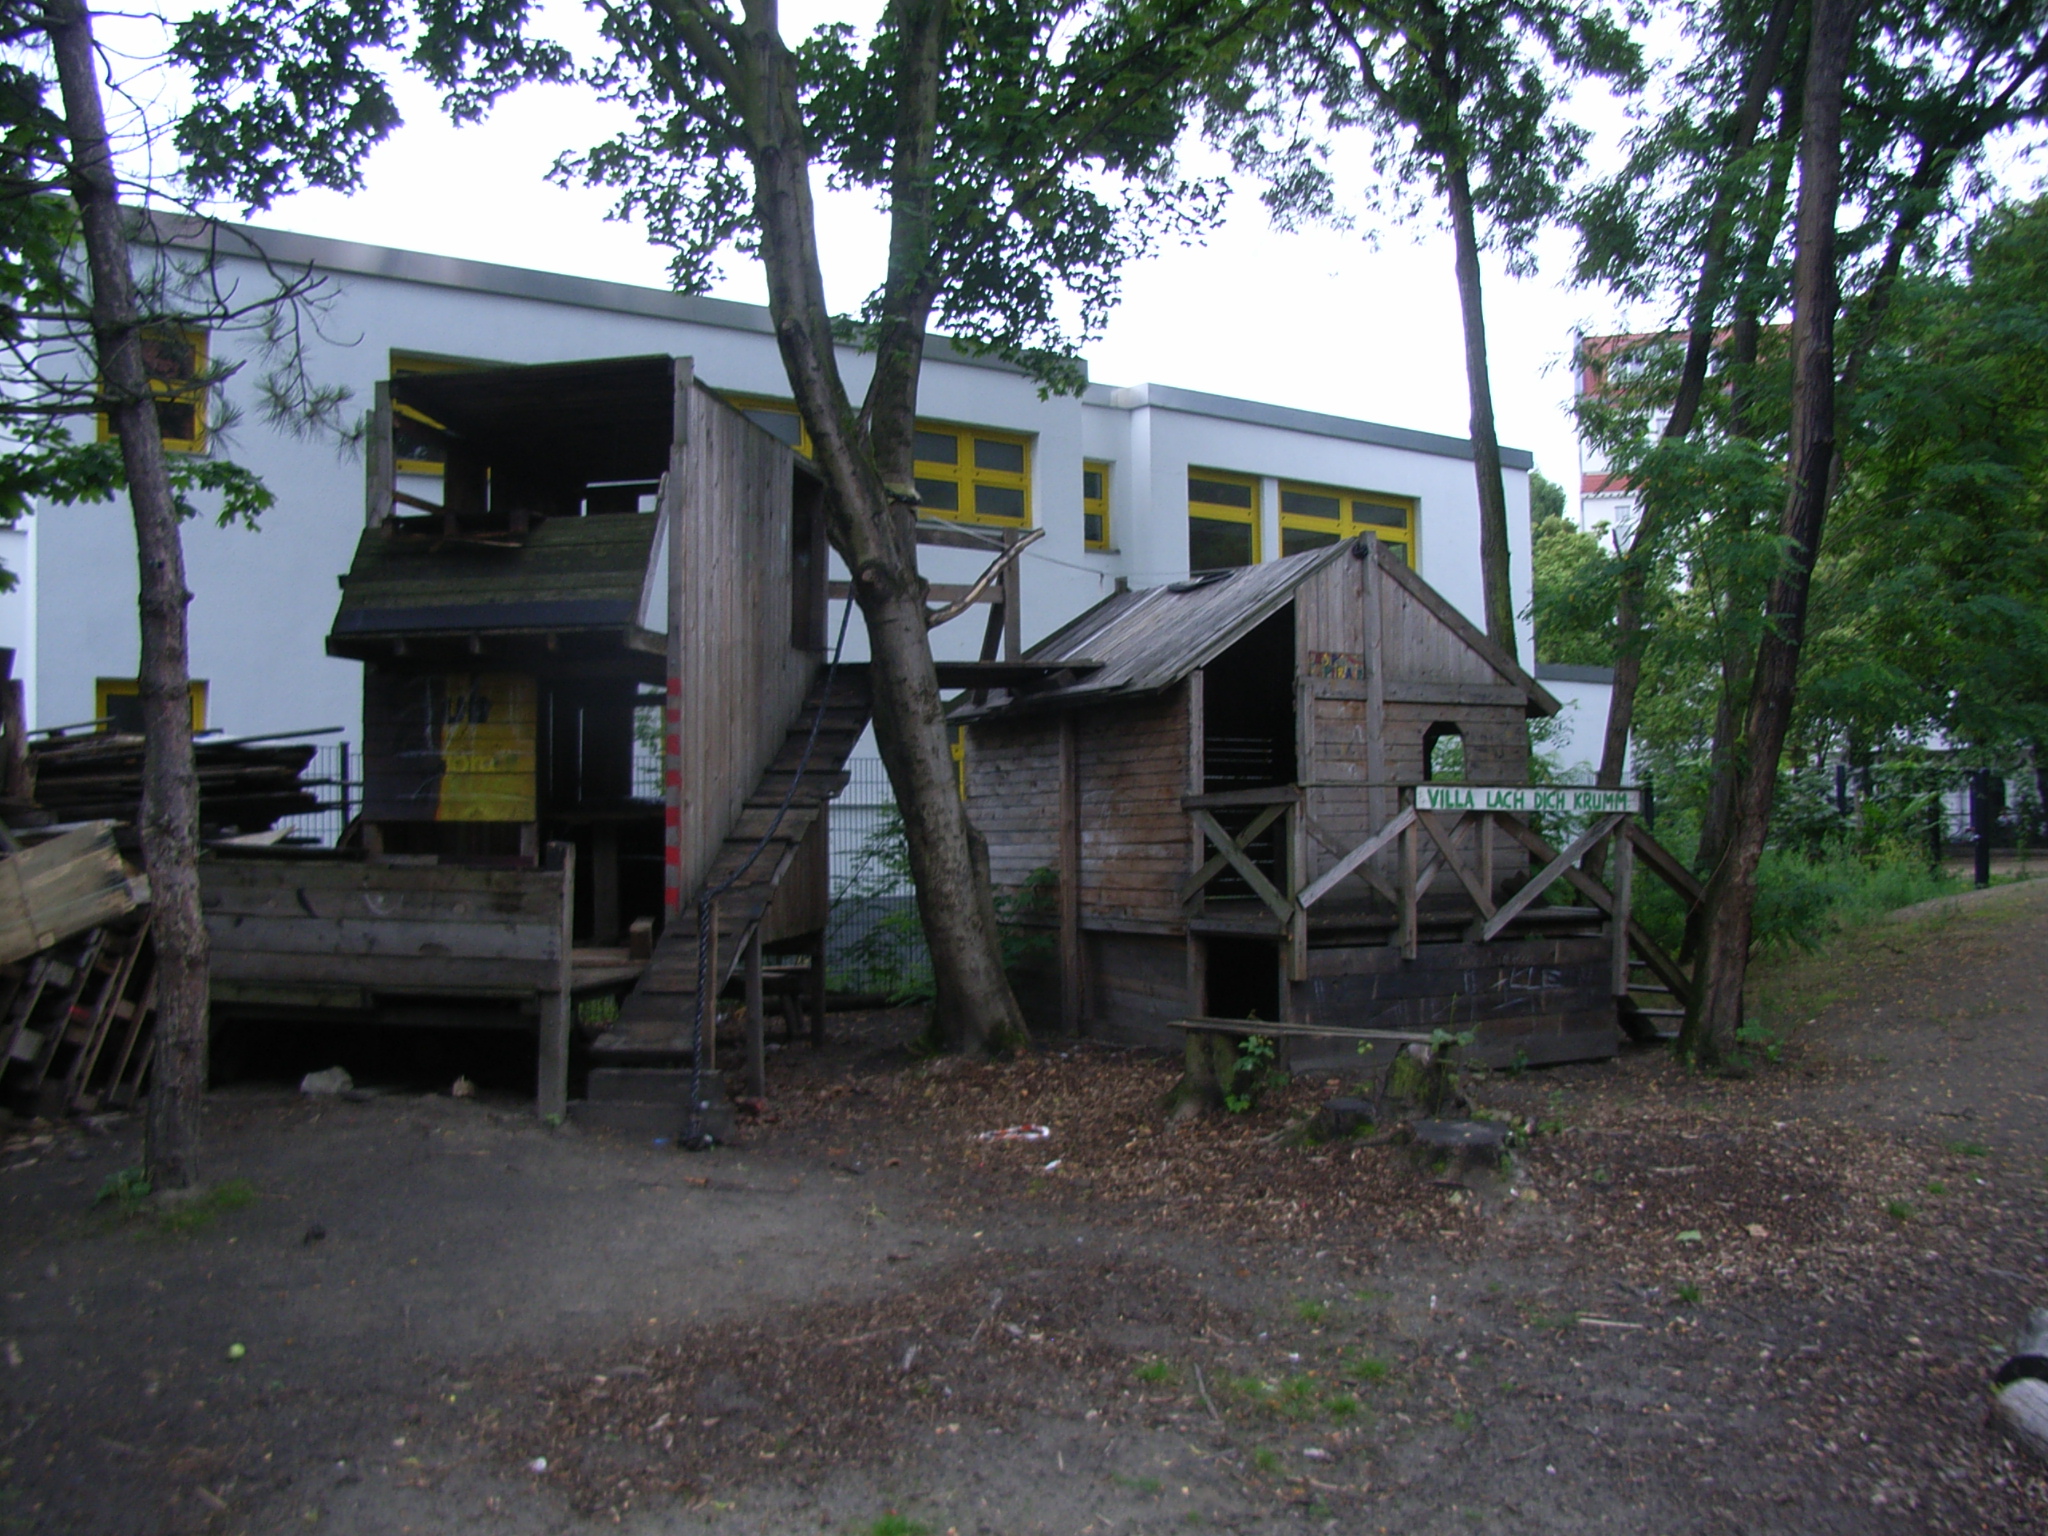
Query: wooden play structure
{"type": "Point", "coordinates": [614, 550]}
{"type": "Point", "coordinates": [1230, 779]}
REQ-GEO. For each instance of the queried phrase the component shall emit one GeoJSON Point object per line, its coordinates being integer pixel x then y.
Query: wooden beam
{"type": "Point", "coordinates": [552, 1096]}
{"type": "Point", "coordinates": [1216, 863]}
{"type": "Point", "coordinates": [1407, 932]}
{"type": "Point", "coordinates": [1334, 847]}
{"type": "Point", "coordinates": [1237, 799]}
{"type": "Point", "coordinates": [1473, 888]}
{"type": "Point", "coordinates": [1624, 890]}
{"type": "Point", "coordinates": [1357, 856]}
{"type": "Point", "coordinates": [757, 1022]}
{"type": "Point", "coordinates": [1668, 970]}
{"type": "Point", "coordinates": [1233, 852]}
{"type": "Point", "coordinates": [1516, 904]}
{"type": "Point", "coordinates": [1070, 877]}
{"type": "Point", "coordinates": [1667, 865]}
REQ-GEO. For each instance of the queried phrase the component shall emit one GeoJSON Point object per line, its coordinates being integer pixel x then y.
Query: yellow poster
{"type": "Point", "coordinates": [487, 747]}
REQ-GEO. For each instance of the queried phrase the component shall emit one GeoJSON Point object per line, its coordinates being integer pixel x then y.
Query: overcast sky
{"type": "Point", "coordinates": [1361, 324]}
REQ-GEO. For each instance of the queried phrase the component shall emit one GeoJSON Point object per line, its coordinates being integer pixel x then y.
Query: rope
{"type": "Point", "coordinates": [695, 1137]}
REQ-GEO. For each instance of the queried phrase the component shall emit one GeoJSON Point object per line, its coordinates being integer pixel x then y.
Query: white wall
{"type": "Point", "coordinates": [264, 599]}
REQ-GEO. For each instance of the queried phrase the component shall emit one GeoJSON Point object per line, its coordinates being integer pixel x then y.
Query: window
{"type": "Point", "coordinates": [175, 360]}
{"type": "Point", "coordinates": [417, 452]}
{"type": "Point", "coordinates": [964, 474]}
{"type": "Point", "coordinates": [1223, 520]}
{"type": "Point", "coordinates": [118, 700]}
{"type": "Point", "coordinates": [1312, 516]}
{"type": "Point", "coordinates": [1095, 504]}
{"type": "Point", "coordinates": [779, 418]}
{"type": "Point", "coordinates": [967, 475]}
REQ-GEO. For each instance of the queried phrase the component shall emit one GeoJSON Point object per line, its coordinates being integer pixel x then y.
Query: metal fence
{"type": "Point", "coordinates": [872, 939]}
{"type": "Point", "coordinates": [335, 775]}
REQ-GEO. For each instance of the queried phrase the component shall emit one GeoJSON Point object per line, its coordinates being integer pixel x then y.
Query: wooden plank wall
{"type": "Point", "coordinates": [1013, 795]}
{"type": "Point", "coordinates": [434, 930]}
{"type": "Point", "coordinates": [736, 679]}
{"type": "Point", "coordinates": [1364, 732]}
{"type": "Point", "coordinates": [1131, 762]}
{"type": "Point", "coordinates": [1137, 986]}
{"type": "Point", "coordinates": [1543, 1000]}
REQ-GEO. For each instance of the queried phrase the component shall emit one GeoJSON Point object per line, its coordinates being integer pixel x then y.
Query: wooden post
{"type": "Point", "coordinates": [1070, 878]}
{"type": "Point", "coordinates": [757, 1019]}
{"type": "Point", "coordinates": [604, 883]}
{"type": "Point", "coordinates": [380, 469]}
{"type": "Point", "coordinates": [1624, 889]}
{"type": "Point", "coordinates": [1013, 604]}
{"type": "Point", "coordinates": [817, 990]}
{"type": "Point", "coordinates": [552, 1097]}
{"type": "Point", "coordinates": [1407, 934]}
{"type": "Point", "coordinates": [1483, 830]}
{"type": "Point", "coordinates": [1379, 808]}
{"type": "Point", "coordinates": [710, 1003]}
{"type": "Point", "coordinates": [1297, 877]}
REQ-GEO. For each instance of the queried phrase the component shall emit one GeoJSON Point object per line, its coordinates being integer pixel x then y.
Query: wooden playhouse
{"type": "Point", "coordinates": [1228, 780]}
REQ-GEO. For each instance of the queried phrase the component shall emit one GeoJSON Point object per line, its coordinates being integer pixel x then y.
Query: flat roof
{"type": "Point", "coordinates": [354, 258]}
{"type": "Point", "coordinates": [1193, 402]}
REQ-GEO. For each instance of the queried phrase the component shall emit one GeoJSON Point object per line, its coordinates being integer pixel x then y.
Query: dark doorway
{"type": "Point", "coordinates": [1243, 979]}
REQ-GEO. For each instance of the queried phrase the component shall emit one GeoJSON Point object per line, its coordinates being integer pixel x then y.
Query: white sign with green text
{"type": "Point", "coordinates": [1524, 799]}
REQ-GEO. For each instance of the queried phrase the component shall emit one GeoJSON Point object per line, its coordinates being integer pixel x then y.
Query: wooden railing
{"type": "Point", "coordinates": [1454, 831]}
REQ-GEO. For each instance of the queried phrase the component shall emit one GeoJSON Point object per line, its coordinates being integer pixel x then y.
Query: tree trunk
{"type": "Point", "coordinates": [1499, 594]}
{"type": "Point", "coordinates": [1716, 1012]}
{"type": "Point", "coordinates": [872, 525]}
{"type": "Point", "coordinates": [1699, 343]}
{"type": "Point", "coordinates": [170, 796]}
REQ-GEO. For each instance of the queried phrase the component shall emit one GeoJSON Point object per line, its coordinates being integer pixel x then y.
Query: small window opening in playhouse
{"type": "Point", "coordinates": [1443, 752]}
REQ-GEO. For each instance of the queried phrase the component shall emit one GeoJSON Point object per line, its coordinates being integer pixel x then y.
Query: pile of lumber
{"type": "Point", "coordinates": [242, 787]}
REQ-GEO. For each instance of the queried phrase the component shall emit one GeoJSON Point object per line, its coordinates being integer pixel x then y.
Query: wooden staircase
{"type": "Point", "coordinates": [653, 1029]}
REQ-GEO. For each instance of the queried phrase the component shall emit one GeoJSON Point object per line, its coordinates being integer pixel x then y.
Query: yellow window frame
{"type": "Point", "coordinates": [747, 404]}
{"type": "Point", "coordinates": [105, 689]}
{"type": "Point", "coordinates": [1360, 512]}
{"type": "Point", "coordinates": [968, 475]}
{"type": "Point", "coordinates": [1220, 512]}
{"type": "Point", "coordinates": [195, 393]}
{"type": "Point", "coordinates": [1095, 503]}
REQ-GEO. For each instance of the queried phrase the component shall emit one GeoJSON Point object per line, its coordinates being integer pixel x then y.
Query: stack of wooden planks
{"type": "Point", "coordinates": [242, 787]}
{"type": "Point", "coordinates": [76, 975]}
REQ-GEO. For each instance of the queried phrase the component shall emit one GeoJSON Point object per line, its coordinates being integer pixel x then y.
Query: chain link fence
{"type": "Point", "coordinates": [873, 943]}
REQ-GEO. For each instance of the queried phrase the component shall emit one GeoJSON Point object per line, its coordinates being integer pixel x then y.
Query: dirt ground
{"type": "Point", "coordinates": [1767, 1305]}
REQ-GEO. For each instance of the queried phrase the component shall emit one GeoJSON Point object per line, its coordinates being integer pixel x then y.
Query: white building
{"type": "Point", "coordinates": [1124, 481]}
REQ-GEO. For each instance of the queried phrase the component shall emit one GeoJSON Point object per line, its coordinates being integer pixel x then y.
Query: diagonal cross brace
{"type": "Point", "coordinates": [1441, 836]}
{"type": "Point", "coordinates": [1231, 851]}
{"type": "Point", "coordinates": [1357, 856]}
{"type": "Point", "coordinates": [1513, 907]}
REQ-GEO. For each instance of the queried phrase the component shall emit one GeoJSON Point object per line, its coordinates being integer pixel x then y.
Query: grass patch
{"type": "Point", "coordinates": [897, 1525]}
{"type": "Point", "coordinates": [1464, 1419]}
{"type": "Point", "coordinates": [1311, 1311]}
{"type": "Point", "coordinates": [1136, 1484]}
{"type": "Point", "coordinates": [128, 1192]}
{"type": "Point", "coordinates": [1969, 1149]}
{"type": "Point", "coordinates": [1936, 1187]}
{"type": "Point", "coordinates": [1372, 1371]}
{"type": "Point", "coordinates": [1267, 1460]}
{"type": "Point", "coordinates": [1689, 1294]}
{"type": "Point", "coordinates": [1899, 1210]}
{"type": "Point", "coordinates": [1155, 1372]}
{"type": "Point", "coordinates": [1342, 1408]}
